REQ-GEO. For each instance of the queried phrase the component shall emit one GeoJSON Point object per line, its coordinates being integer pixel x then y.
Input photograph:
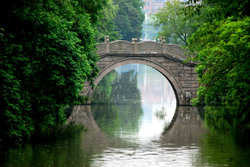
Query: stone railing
{"type": "Point", "coordinates": [134, 47]}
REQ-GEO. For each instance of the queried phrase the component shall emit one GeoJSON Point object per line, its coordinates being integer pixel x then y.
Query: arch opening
{"type": "Point", "coordinates": [151, 84]}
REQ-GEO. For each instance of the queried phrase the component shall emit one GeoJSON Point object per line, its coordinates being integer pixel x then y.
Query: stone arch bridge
{"type": "Point", "coordinates": [166, 58]}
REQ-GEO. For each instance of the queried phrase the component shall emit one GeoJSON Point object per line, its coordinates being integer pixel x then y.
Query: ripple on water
{"type": "Point", "coordinates": [146, 157]}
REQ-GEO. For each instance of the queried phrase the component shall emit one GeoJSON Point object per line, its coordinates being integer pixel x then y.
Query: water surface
{"type": "Point", "coordinates": [134, 122]}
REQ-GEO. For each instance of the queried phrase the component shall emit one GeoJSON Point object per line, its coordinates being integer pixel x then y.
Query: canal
{"type": "Point", "coordinates": [134, 121]}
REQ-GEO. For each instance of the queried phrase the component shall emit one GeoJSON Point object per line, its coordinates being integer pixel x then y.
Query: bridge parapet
{"type": "Point", "coordinates": [145, 47]}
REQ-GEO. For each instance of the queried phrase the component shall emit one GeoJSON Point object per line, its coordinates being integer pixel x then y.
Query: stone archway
{"type": "Point", "coordinates": [166, 58]}
{"type": "Point", "coordinates": [176, 85]}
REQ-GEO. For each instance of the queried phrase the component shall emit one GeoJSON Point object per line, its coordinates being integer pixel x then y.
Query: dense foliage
{"type": "Point", "coordinates": [120, 19]}
{"type": "Point", "coordinates": [106, 25]}
{"type": "Point", "coordinates": [222, 50]}
{"type": "Point", "coordinates": [224, 62]}
{"type": "Point", "coordinates": [129, 18]}
{"type": "Point", "coordinates": [47, 53]}
{"type": "Point", "coordinates": [102, 93]}
{"type": "Point", "coordinates": [173, 23]}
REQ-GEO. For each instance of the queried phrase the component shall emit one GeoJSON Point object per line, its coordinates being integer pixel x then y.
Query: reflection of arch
{"type": "Point", "coordinates": [186, 127]}
{"type": "Point", "coordinates": [166, 72]}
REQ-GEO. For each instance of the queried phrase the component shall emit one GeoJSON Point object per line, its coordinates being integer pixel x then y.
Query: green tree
{"type": "Point", "coordinates": [222, 50]}
{"type": "Point", "coordinates": [174, 24]}
{"type": "Point", "coordinates": [47, 53]}
{"type": "Point", "coordinates": [124, 90]}
{"type": "Point", "coordinates": [129, 18]}
{"type": "Point", "coordinates": [103, 90]}
{"type": "Point", "coordinates": [106, 24]}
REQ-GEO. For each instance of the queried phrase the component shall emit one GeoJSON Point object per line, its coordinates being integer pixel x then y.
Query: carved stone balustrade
{"type": "Point", "coordinates": [144, 47]}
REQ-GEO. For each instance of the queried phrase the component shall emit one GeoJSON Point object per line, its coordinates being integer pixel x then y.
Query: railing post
{"type": "Point", "coordinates": [107, 44]}
{"type": "Point", "coordinates": [134, 42]}
{"type": "Point", "coordinates": [160, 40]}
{"type": "Point", "coordinates": [164, 46]}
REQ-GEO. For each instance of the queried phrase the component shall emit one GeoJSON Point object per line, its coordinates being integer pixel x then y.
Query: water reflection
{"type": "Point", "coordinates": [218, 149]}
{"type": "Point", "coordinates": [134, 122]}
{"type": "Point", "coordinates": [128, 145]}
{"type": "Point", "coordinates": [185, 143]}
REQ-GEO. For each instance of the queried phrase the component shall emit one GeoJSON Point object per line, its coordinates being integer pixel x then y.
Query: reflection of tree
{"type": "Point", "coordinates": [106, 117]}
{"type": "Point", "coordinates": [122, 92]}
{"type": "Point", "coordinates": [220, 149]}
{"type": "Point", "coordinates": [61, 153]}
{"type": "Point", "coordinates": [125, 89]}
{"type": "Point", "coordinates": [117, 90]}
{"type": "Point", "coordinates": [104, 88]}
{"type": "Point", "coordinates": [234, 119]}
{"type": "Point", "coordinates": [130, 116]}
{"type": "Point", "coordinates": [112, 118]}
